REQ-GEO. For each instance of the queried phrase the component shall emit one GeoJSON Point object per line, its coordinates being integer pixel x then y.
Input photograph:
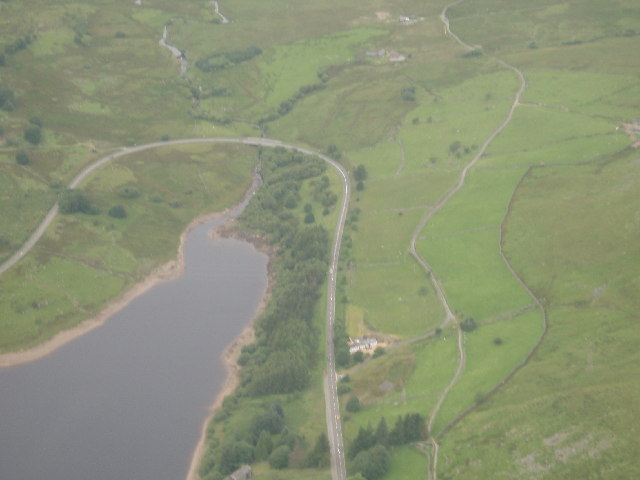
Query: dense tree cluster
{"type": "Point", "coordinates": [220, 61]}
{"type": "Point", "coordinates": [265, 438]}
{"type": "Point", "coordinates": [286, 346]}
{"type": "Point", "coordinates": [369, 450]}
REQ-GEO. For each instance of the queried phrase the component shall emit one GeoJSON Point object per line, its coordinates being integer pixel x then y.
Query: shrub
{"type": "Point", "coordinates": [7, 99]}
{"type": "Point", "coordinates": [128, 192]}
{"type": "Point", "coordinates": [22, 158]}
{"type": "Point", "coordinates": [378, 352]}
{"type": "Point", "coordinates": [279, 458]}
{"type": "Point", "coordinates": [468, 325]}
{"type": "Point", "coordinates": [75, 201]}
{"type": "Point", "coordinates": [353, 405]}
{"type": "Point", "coordinates": [37, 121]}
{"type": "Point", "coordinates": [117, 211]}
{"type": "Point", "coordinates": [33, 135]}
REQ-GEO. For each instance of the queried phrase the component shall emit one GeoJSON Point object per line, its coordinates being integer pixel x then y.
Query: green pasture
{"type": "Point", "coordinates": [381, 160]}
{"type": "Point", "coordinates": [487, 362]}
{"type": "Point", "coordinates": [565, 412]}
{"type": "Point", "coordinates": [502, 26]}
{"type": "Point", "coordinates": [383, 236]}
{"type": "Point", "coordinates": [578, 91]}
{"type": "Point", "coordinates": [466, 113]}
{"type": "Point", "coordinates": [573, 150]}
{"type": "Point", "coordinates": [25, 201]}
{"type": "Point", "coordinates": [83, 261]}
{"type": "Point", "coordinates": [418, 191]}
{"type": "Point", "coordinates": [587, 251]}
{"type": "Point", "coordinates": [353, 115]}
{"type": "Point", "coordinates": [480, 204]}
{"type": "Point", "coordinates": [550, 126]}
{"type": "Point", "coordinates": [407, 379]}
{"type": "Point", "coordinates": [610, 55]}
{"type": "Point", "coordinates": [473, 274]}
{"type": "Point", "coordinates": [289, 67]}
{"type": "Point", "coordinates": [461, 243]}
{"type": "Point", "coordinates": [407, 463]}
{"type": "Point", "coordinates": [397, 299]}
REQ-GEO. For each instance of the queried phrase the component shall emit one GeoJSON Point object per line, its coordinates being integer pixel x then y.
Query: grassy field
{"type": "Point", "coordinates": [555, 195]}
{"type": "Point", "coordinates": [578, 416]}
{"type": "Point", "coordinates": [83, 261]}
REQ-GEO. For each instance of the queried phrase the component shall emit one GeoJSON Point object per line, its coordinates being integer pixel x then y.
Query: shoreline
{"type": "Point", "coordinates": [164, 273]}
{"type": "Point", "coordinates": [231, 353]}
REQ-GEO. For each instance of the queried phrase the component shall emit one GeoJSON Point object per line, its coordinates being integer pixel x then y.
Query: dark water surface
{"type": "Point", "coordinates": [127, 401]}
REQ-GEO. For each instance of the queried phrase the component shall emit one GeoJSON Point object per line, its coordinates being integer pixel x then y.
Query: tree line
{"type": "Point", "coordinates": [369, 450]}
{"type": "Point", "coordinates": [286, 344]}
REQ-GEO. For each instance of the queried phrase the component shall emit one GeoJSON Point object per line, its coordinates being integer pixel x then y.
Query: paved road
{"type": "Point", "coordinates": [334, 426]}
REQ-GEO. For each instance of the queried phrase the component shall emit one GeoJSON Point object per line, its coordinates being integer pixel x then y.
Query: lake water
{"type": "Point", "coordinates": [127, 401]}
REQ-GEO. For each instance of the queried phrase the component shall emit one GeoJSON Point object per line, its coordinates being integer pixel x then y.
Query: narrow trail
{"type": "Point", "coordinates": [449, 316]}
{"type": "Point", "coordinates": [216, 9]}
{"type": "Point", "coordinates": [175, 51]}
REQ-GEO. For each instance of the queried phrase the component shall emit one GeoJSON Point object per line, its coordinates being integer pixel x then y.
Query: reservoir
{"type": "Point", "coordinates": [128, 399]}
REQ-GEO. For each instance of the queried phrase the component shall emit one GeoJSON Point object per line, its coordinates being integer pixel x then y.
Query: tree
{"type": "Point", "coordinates": [33, 135]}
{"type": "Point", "coordinates": [363, 441]}
{"type": "Point", "coordinates": [279, 458]}
{"type": "Point", "coordinates": [7, 99]}
{"type": "Point", "coordinates": [468, 325]}
{"type": "Point", "coordinates": [117, 211]}
{"type": "Point", "coordinates": [233, 455]}
{"type": "Point", "coordinates": [22, 158]}
{"type": "Point", "coordinates": [372, 463]}
{"type": "Point", "coordinates": [360, 173]}
{"type": "Point", "coordinates": [334, 152]}
{"type": "Point", "coordinates": [309, 218]}
{"type": "Point", "coordinates": [319, 456]}
{"type": "Point", "coordinates": [264, 446]}
{"type": "Point", "coordinates": [382, 432]}
{"type": "Point", "coordinates": [353, 405]}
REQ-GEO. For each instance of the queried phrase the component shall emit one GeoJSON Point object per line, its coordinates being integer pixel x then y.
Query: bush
{"type": "Point", "coordinates": [7, 99]}
{"type": "Point", "coordinates": [128, 192]}
{"type": "Point", "coordinates": [37, 121]}
{"type": "Point", "coordinates": [33, 135]}
{"type": "Point", "coordinates": [279, 458]}
{"type": "Point", "coordinates": [353, 405]}
{"type": "Point", "coordinates": [117, 211]}
{"type": "Point", "coordinates": [75, 201]}
{"type": "Point", "coordinates": [22, 158]}
{"type": "Point", "coordinates": [372, 463]}
{"type": "Point", "coordinates": [468, 325]}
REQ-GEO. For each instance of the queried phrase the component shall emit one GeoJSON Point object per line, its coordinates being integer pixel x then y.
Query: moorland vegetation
{"type": "Point", "coordinates": [535, 251]}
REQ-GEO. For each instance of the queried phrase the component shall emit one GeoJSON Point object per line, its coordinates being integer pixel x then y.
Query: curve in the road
{"type": "Point", "coordinates": [334, 426]}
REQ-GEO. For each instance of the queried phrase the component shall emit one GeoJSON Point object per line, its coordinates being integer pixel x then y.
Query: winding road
{"type": "Point", "coordinates": [334, 426]}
